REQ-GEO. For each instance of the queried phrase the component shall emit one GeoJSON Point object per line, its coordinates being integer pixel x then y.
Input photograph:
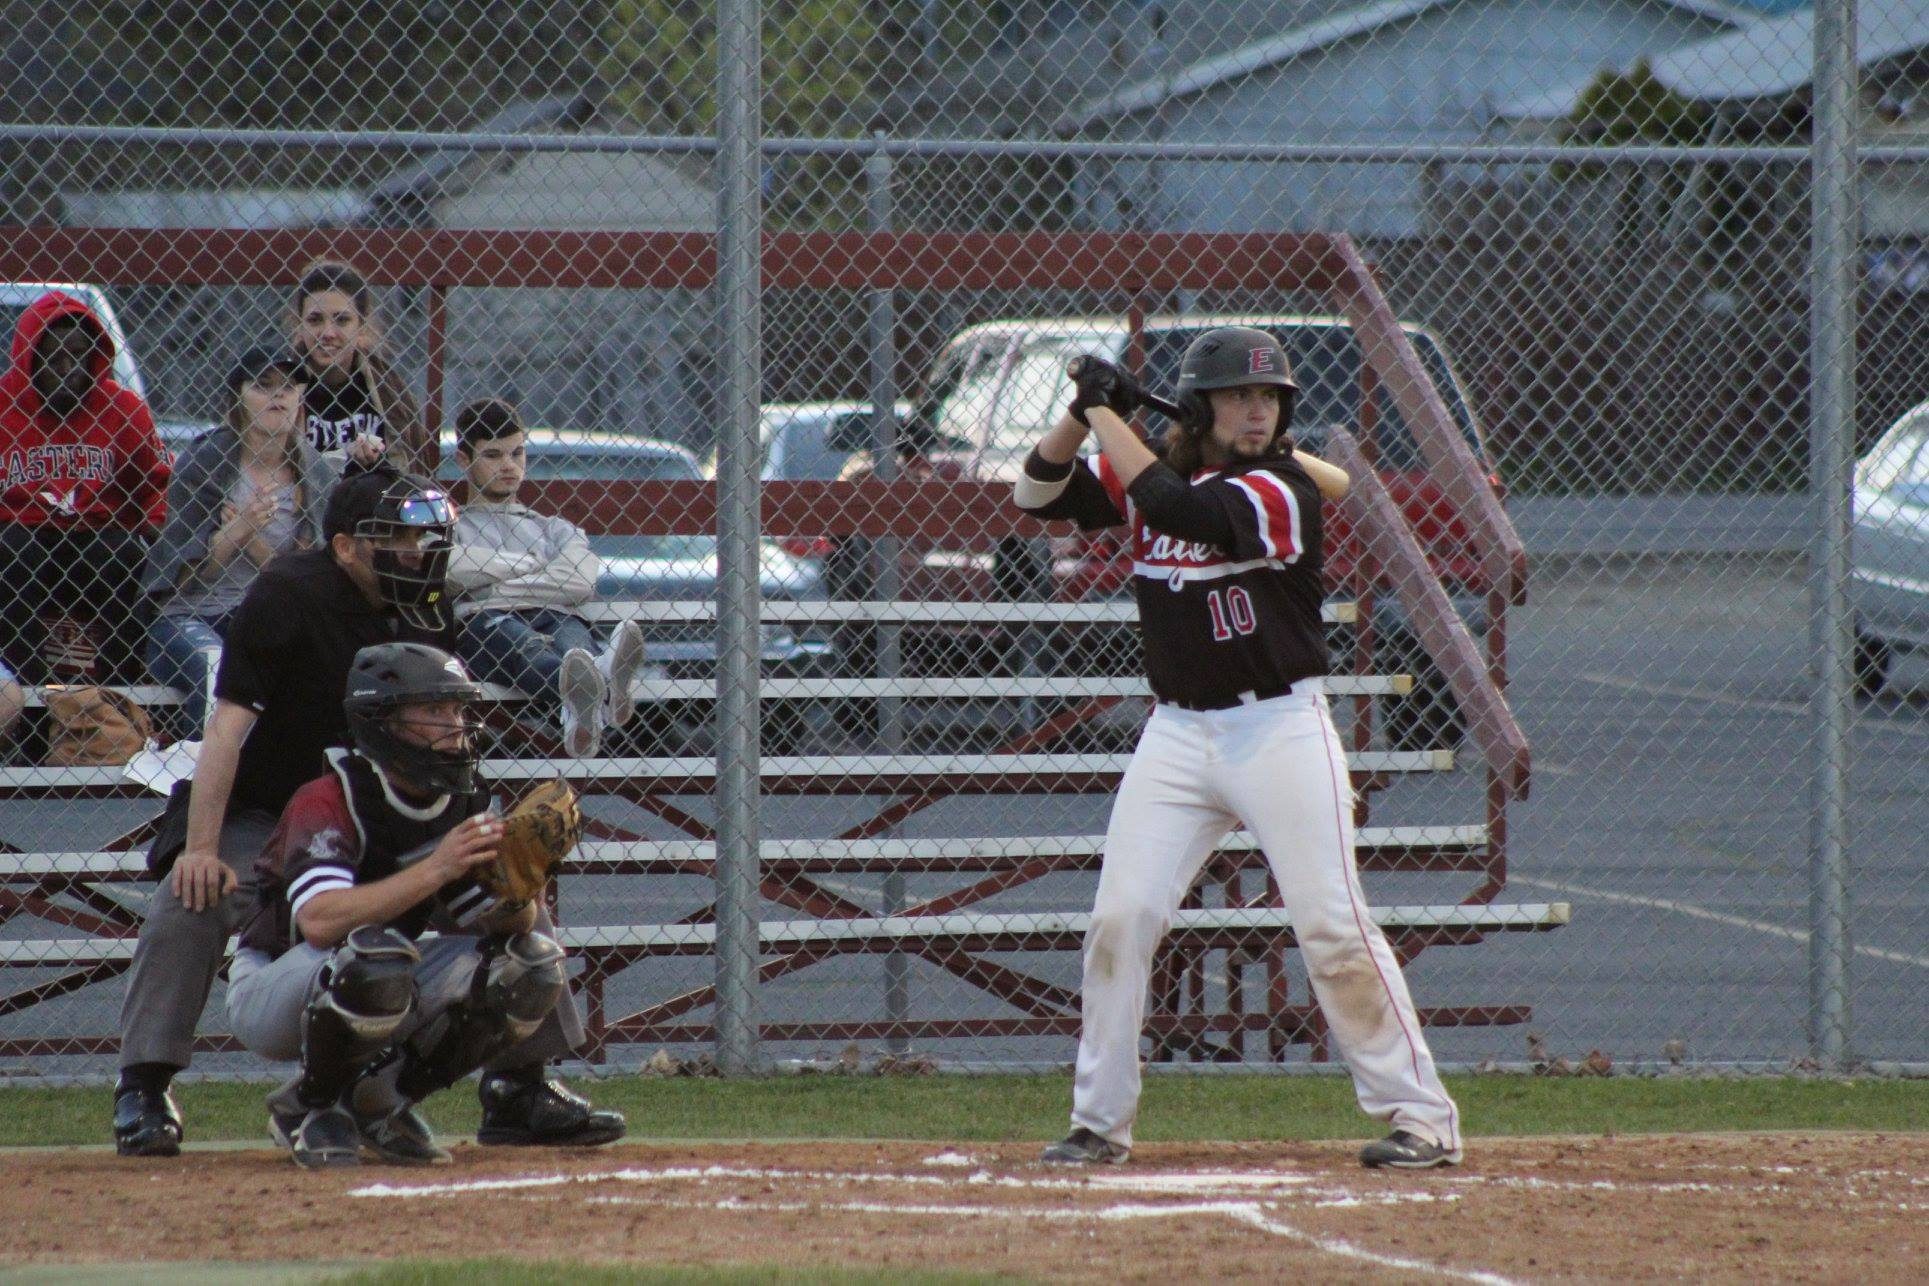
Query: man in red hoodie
{"type": "Point", "coordinates": [83, 488]}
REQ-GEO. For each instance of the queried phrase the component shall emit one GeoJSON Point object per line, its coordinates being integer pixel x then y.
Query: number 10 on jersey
{"type": "Point", "coordinates": [1232, 613]}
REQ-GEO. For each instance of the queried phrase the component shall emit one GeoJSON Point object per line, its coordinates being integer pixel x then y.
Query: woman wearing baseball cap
{"type": "Point", "coordinates": [242, 493]}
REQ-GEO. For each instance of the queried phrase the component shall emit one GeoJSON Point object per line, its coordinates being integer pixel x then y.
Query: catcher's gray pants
{"type": "Point", "coordinates": [266, 995]}
{"type": "Point", "coordinates": [266, 998]}
{"type": "Point", "coordinates": [180, 952]}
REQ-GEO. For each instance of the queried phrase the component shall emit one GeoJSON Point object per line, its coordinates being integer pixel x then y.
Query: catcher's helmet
{"type": "Point", "coordinates": [386, 677]}
{"type": "Point", "coordinates": [1229, 357]}
{"type": "Point", "coordinates": [384, 502]}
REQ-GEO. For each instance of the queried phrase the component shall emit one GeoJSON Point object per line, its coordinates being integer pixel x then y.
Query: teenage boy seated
{"type": "Point", "coordinates": [519, 576]}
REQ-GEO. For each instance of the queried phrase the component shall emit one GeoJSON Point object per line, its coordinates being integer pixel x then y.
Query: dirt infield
{"type": "Point", "coordinates": [1726, 1207]}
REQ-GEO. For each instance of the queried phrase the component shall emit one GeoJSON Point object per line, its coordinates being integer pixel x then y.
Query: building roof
{"type": "Point", "coordinates": [1766, 59]}
{"type": "Point", "coordinates": [1296, 42]}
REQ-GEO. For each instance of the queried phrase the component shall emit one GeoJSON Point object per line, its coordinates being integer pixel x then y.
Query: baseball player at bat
{"type": "Point", "coordinates": [1226, 548]}
{"type": "Point", "coordinates": [333, 971]}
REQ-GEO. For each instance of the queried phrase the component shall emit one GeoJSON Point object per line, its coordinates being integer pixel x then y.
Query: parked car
{"type": "Point", "coordinates": [814, 442]}
{"type": "Point", "coordinates": [1889, 588]}
{"type": "Point", "coordinates": [997, 387]}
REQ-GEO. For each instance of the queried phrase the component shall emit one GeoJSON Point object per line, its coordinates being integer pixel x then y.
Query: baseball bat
{"type": "Point", "coordinates": [1169, 410]}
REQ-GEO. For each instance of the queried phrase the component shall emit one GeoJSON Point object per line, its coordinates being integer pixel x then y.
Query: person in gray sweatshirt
{"type": "Point", "coordinates": [519, 576]}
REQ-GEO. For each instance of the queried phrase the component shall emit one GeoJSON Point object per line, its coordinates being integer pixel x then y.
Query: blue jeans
{"type": "Point", "coordinates": [182, 653]}
{"type": "Point", "coordinates": [522, 649]}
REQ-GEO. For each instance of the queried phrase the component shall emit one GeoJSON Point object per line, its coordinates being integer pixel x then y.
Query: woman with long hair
{"type": "Point", "coordinates": [357, 404]}
{"type": "Point", "coordinates": [243, 493]}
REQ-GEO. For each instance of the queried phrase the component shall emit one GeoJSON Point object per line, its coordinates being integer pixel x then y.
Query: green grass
{"type": "Point", "coordinates": [1006, 1108]}
{"type": "Point", "coordinates": [510, 1272]}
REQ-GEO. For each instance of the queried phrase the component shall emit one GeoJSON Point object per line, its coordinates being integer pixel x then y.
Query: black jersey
{"type": "Point", "coordinates": [286, 657]}
{"type": "Point", "coordinates": [340, 413]}
{"type": "Point", "coordinates": [1217, 622]}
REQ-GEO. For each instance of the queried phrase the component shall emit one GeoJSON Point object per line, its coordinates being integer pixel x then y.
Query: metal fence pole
{"type": "Point", "coordinates": [1831, 426]}
{"type": "Point", "coordinates": [884, 560]}
{"type": "Point", "coordinates": [739, 286]}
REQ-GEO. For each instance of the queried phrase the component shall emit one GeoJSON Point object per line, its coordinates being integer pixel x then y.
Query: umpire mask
{"type": "Point", "coordinates": [384, 681]}
{"type": "Point", "coordinates": [413, 584]}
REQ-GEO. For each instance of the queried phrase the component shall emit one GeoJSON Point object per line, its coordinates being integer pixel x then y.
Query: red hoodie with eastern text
{"type": "Point", "coordinates": [102, 466]}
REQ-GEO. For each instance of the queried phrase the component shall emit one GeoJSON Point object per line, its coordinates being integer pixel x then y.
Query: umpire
{"type": "Point", "coordinates": [378, 578]}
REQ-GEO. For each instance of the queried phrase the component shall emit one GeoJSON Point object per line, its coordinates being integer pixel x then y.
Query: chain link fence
{"type": "Point", "coordinates": [1615, 310]}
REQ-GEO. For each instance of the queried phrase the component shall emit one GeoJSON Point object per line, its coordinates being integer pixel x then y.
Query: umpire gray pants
{"type": "Point", "coordinates": [180, 952]}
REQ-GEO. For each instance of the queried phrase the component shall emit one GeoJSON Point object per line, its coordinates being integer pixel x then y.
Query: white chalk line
{"type": "Point", "coordinates": [1248, 1212]}
{"type": "Point", "coordinates": [1258, 1218]}
{"type": "Point", "coordinates": [1180, 1183]}
{"type": "Point", "coordinates": [1698, 912]}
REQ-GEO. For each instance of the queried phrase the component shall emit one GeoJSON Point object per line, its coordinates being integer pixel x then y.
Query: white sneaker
{"type": "Point", "coordinates": [618, 664]}
{"type": "Point", "coordinates": [583, 691]}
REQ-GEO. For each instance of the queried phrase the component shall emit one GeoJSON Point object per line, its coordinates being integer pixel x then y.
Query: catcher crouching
{"type": "Point", "coordinates": [334, 970]}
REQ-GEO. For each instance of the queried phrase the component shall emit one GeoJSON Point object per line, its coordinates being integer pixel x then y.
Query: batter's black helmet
{"type": "Point", "coordinates": [1229, 357]}
{"type": "Point", "coordinates": [384, 678]}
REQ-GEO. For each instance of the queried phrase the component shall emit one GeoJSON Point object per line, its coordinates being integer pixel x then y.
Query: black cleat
{"type": "Point", "coordinates": [542, 1114]}
{"type": "Point", "coordinates": [146, 1123]}
{"type": "Point", "coordinates": [1403, 1151]}
{"type": "Point", "coordinates": [327, 1138]}
{"type": "Point", "coordinates": [1083, 1147]}
{"type": "Point", "coordinates": [402, 1138]}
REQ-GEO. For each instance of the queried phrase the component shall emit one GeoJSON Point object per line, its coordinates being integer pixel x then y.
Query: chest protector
{"type": "Point", "coordinates": [390, 828]}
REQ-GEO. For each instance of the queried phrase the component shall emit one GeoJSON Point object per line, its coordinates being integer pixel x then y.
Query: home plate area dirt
{"type": "Point", "coordinates": [1728, 1208]}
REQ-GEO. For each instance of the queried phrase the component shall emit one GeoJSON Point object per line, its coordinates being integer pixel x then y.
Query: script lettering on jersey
{"type": "Point", "coordinates": [1168, 549]}
{"type": "Point", "coordinates": [70, 462]}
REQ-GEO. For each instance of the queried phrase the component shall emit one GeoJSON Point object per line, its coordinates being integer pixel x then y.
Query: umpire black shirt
{"type": "Point", "coordinates": [286, 657]}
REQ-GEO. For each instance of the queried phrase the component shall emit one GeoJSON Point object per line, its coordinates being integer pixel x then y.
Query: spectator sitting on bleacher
{"type": "Point", "coordinates": [357, 404]}
{"type": "Point", "coordinates": [519, 577]}
{"type": "Point", "coordinates": [83, 485]}
{"type": "Point", "coordinates": [248, 490]}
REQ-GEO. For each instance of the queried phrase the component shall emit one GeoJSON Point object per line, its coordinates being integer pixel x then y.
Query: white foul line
{"type": "Point", "coordinates": [1718, 917]}
{"type": "Point", "coordinates": [1251, 1213]}
{"type": "Point", "coordinates": [1257, 1218]}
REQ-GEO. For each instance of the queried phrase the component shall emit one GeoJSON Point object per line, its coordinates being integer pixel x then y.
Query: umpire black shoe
{"type": "Point", "coordinates": [543, 1113]}
{"type": "Point", "coordinates": [327, 1138]}
{"type": "Point", "coordinates": [402, 1138]}
{"type": "Point", "coordinates": [1083, 1147]}
{"type": "Point", "coordinates": [146, 1123]}
{"type": "Point", "coordinates": [1403, 1151]}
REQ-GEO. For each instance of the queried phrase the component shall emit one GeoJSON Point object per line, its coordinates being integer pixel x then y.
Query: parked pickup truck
{"type": "Point", "coordinates": [994, 390]}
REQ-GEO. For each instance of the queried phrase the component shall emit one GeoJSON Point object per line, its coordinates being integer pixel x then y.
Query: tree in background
{"type": "Point", "coordinates": [660, 63]}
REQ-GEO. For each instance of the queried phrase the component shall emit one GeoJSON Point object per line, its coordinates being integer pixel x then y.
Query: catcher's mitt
{"type": "Point", "coordinates": [536, 835]}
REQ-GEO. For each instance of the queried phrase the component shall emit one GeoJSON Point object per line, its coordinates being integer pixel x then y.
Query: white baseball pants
{"type": "Point", "coordinates": [1277, 766]}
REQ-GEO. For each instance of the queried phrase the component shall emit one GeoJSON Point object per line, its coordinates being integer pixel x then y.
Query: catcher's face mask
{"type": "Point", "coordinates": [430, 746]}
{"type": "Point", "coordinates": [411, 533]}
